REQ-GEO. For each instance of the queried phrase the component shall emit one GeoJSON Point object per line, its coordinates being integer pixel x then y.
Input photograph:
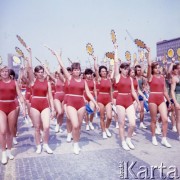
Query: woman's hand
{"type": "Point", "coordinates": [97, 107]}
{"type": "Point", "coordinates": [53, 114]}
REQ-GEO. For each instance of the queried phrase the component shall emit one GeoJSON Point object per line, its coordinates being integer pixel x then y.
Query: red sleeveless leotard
{"type": "Point", "coordinates": [90, 84]}
{"type": "Point", "coordinates": [124, 97]}
{"type": "Point", "coordinates": [28, 93]}
{"type": "Point", "coordinates": [76, 88]}
{"type": "Point", "coordinates": [104, 96]}
{"type": "Point", "coordinates": [135, 83]}
{"type": "Point", "coordinates": [7, 93]}
{"type": "Point", "coordinates": [59, 91]}
{"type": "Point", "coordinates": [53, 89]}
{"type": "Point", "coordinates": [66, 91]}
{"type": "Point", "coordinates": [39, 95]}
{"type": "Point", "coordinates": [115, 91]}
{"type": "Point", "coordinates": [156, 85]}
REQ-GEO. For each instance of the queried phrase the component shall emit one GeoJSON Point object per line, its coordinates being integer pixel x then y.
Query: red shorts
{"type": "Point", "coordinates": [66, 98]}
{"type": "Point", "coordinates": [39, 103]}
{"type": "Point", "coordinates": [104, 99]}
{"type": "Point", "coordinates": [27, 96]}
{"type": "Point", "coordinates": [7, 107]}
{"type": "Point", "coordinates": [115, 94]}
{"type": "Point", "coordinates": [124, 100]}
{"type": "Point", "coordinates": [156, 98]}
{"type": "Point", "coordinates": [86, 97]}
{"type": "Point", "coordinates": [75, 101]}
{"type": "Point", "coordinates": [59, 96]}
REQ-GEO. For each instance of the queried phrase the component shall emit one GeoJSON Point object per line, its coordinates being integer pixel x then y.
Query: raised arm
{"type": "Point", "coordinates": [149, 75]}
{"type": "Point", "coordinates": [66, 74]}
{"type": "Point", "coordinates": [96, 68]}
{"type": "Point", "coordinates": [29, 66]}
{"type": "Point", "coordinates": [116, 68]}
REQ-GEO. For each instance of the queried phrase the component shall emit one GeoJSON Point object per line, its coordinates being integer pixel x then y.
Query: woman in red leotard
{"type": "Point", "coordinates": [92, 87]}
{"type": "Point", "coordinates": [104, 98]}
{"type": "Point", "coordinates": [9, 90]}
{"type": "Point", "coordinates": [124, 101]}
{"type": "Point", "coordinates": [75, 101]}
{"type": "Point", "coordinates": [59, 100]}
{"type": "Point", "coordinates": [40, 112]}
{"type": "Point", "coordinates": [156, 100]}
{"type": "Point", "coordinates": [138, 91]}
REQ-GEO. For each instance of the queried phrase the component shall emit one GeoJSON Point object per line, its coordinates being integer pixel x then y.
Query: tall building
{"type": "Point", "coordinates": [165, 45]}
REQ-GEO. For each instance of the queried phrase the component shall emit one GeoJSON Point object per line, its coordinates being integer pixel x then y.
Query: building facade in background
{"type": "Point", "coordinates": [165, 45]}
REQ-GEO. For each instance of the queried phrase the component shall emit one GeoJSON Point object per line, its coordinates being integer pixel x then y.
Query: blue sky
{"type": "Point", "coordinates": [71, 24]}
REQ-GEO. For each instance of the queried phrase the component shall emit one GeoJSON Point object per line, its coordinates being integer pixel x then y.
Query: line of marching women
{"type": "Point", "coordinates": [122, 93]}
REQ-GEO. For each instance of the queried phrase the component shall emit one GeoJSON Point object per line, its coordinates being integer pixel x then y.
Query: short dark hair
{"type": "Point", "coordinates": [12, 73]}
{"type": "Point", "coordinates": [136, 67]}
{"type": "Point", "coordinates": [153, 66]}
{"type": "Point", "coordinates": [88, 71]}
{"type": "Point", "coordinates": [123, 66]}
{"type": "Point", "coordinates": [75, 65]}
{"type": "Point", "coordinates": [102, 67]}
{"type": "Point", "coordinates": [38, 68]}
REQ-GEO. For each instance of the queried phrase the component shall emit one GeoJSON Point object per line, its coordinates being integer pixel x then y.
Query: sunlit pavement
{"type": "Point", "coordinates": [99, 158]}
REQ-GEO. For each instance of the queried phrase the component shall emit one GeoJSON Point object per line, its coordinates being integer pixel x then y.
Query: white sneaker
{"type": "Point", "coordinates": [169, 120]}
{"type": "Point", "coordinates": [4, 158]}
{"type": "Point", "coordinates": [154, 141]}
{"type": "Point", "coordinates": [134, 133]}
{"type": "Point", "coordinates": [174, 129]}
{"type": "Point", "coordinates": [125, 146]}
{"type": "Point", "coordinates": [158, 131]}
{"type": "Point", "coordinates": [87, 127]}
{"type": "Point", "coordinates": [57, 128]}
{"type": "Point", "coordinates": [108, 132]}
{"type": "Point", "coordinates": [9, 155]}
{"type": "Point", "coordinates": [76, 148]}
{"type": "Point", "coordinates": [47, 149]}
{"type": "Point", "coordinates": [84, 121]}
{"type": "Point", "coordinates": [69, 137]}
{"type": "Point", "coordinates": [117, 125]}
{"type": "Point", "coordinates": [91, 126]}
{"type": "Point", "coordinates": [165, 143]}
{"type": "Point", "coordinates": [15, 141]}
{"type": "Point", "coordinates": [26, 120]}
{"type": "Point", "coordinates": [142, 126]}
{"type": "Point", "coordinates": [129, 143]}
{"type": "Point", "coordinates": [104, 135]}
{"type": "Point", "coordinates": [60, 130]}
{"type": "Point", "coordinates": [39, 149]}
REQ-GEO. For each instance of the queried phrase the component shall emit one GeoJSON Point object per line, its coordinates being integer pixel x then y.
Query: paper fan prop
{"type": "Point", "coordinates": [21, 41]}
{"type": "Point", "coordinates": [110, 55]}
{"type": "Point", "coordinates": [16, 60]}
{"type": "Point", "coordinates": [20, 53]}
{"type": "Point", "coordinates": [141, 55]}
{"type": "Point", "coordinates": [112, 62]}
{"type": "Point", "coordinates": [146, 55]}
{"type": "Point", "coordinates": [164, 59]}
{"type": "Point", "coordinates": [140, 43]}
{"type": "Point", "coordinates": [1, 61]}
{"type": "Point", "coordinates": [178, 52]}
{"type": "Point", "coordinates": [134, 56]}
{"type": "Point", "coordinates": [113, 36]}
{"type": "Point", "coordinates": [128, 55]}
{"type": "Point", "coordinates": [89, 49]}
{"type": "Point", "coordinates": [170, 53]}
